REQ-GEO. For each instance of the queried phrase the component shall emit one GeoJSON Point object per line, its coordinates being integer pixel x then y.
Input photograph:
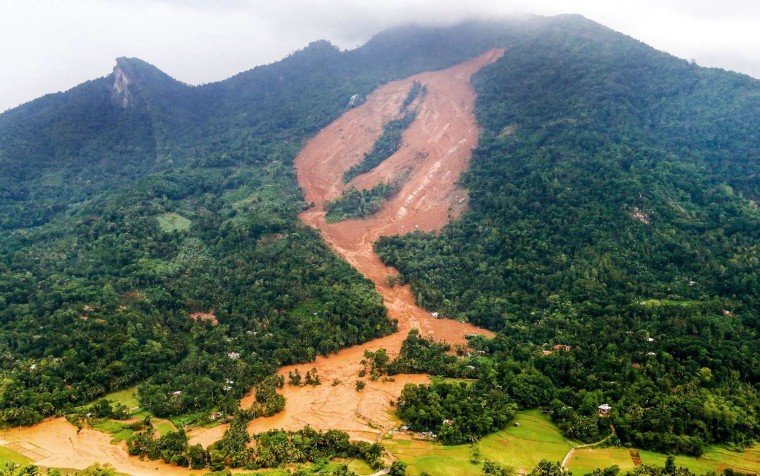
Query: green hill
{"type": "Point", "coordinates": [614, 211]}
{"type": "Point", "coordinates": [132, 202]}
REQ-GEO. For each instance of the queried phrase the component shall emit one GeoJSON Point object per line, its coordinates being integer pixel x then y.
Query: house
{"type": "Point", "coordinates": [604, 410]}
{"type": "Point", "coordinates": [557, 347]}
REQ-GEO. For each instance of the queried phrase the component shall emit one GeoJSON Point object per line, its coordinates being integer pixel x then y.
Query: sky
{"type": "Point", "coordinates": [53, 45]}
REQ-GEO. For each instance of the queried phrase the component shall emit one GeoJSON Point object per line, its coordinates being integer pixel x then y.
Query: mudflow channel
{"type": "Point", "coordinates": [436, 149]}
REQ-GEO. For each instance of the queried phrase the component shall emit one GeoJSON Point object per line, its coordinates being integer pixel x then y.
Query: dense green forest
{"type": "Point", "coordinates": [354, 203]}
{"type": "Point", "coordinates": [121, 289]}
{"type": "Point", "coordinates": [612, 239]}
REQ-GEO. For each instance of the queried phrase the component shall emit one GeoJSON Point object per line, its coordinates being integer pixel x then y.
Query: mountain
{"type": "Point", "coordinates": [149, 234]}
{"type": "Point", "coordinates": [613, 212]}
{"type": "Point", "coordinates": [110, 131]}
{"type": "Point", "coordinates": [133, 201]}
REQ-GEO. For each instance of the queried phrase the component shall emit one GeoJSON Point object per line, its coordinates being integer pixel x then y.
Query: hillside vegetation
{"type": "Point", "coordinates": [613, 215]}
{"type": "Point", "coordinates": [149, 232]}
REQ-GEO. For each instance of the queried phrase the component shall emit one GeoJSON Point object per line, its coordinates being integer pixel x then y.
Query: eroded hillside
{"type": "Point", "coordinates": [436, 149]}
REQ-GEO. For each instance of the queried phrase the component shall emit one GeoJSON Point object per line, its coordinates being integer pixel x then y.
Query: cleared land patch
{"type": "Point", "coordinates": [173, 222]}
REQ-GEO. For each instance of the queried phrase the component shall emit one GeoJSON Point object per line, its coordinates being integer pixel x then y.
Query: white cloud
{"type": "Point", "coordinates": [50, 45]}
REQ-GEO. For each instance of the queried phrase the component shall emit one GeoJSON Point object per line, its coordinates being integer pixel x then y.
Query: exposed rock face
{"type": "Point", "coordinates": [120, 92]}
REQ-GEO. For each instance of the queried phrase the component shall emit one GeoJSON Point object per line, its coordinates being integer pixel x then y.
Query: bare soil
{"type": "Point", "coordinates": [436, 149]}
{"type": "Point", "coordinates": [204, 316]}
{"type": "Point", "coordinates": [56, 443]}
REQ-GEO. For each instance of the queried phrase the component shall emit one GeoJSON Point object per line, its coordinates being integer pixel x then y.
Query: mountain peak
{"type": "Point", "coordinates": [131, 75]}
{"type": "Point", "coordinates": [120, 92]}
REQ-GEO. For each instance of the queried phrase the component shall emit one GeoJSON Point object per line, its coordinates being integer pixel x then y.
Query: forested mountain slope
{"type": "Point", "coordinates": [133, 202]}
{"type": "Point", "coordinates": [613, 215]}
{"type": "Point", "coordinates": [148, 233]}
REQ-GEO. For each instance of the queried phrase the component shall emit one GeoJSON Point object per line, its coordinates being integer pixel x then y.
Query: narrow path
{"type": "Point", "coordinates": [588, 445]}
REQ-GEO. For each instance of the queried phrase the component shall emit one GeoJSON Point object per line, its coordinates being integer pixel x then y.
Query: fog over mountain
{"type": "Point", "coordinates": [56, 45]}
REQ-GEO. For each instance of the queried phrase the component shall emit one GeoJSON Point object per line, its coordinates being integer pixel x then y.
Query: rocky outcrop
{"type": "Point", "coordinates": [120, 89]}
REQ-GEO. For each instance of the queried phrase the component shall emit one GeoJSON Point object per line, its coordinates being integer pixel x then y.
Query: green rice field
{"type": "Point", "coordinates": [8, 456]}
{"type": "Point", "coordinates": [520, 446]}
{"type": "Point", "coordinates": [536, 438]}
{"type": "Point", "coordinates": [715, 459]}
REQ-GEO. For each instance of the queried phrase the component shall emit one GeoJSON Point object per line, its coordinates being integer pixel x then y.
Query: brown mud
{"type": "Point", "coordinates": [56, 444]}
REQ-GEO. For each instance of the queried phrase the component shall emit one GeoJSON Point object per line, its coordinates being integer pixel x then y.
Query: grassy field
{"type": "Point", "coordinates": [520, 446]}
{"type": "Point", "coordinates": [524, 446]}
{"type": "Point", "coordinates": [163, 426]}
{"type": "Point", "coordinates": [586, 460]}
{"type": "Point", "coordinates": [118, 429]}
{"type": "Point", "coordinates": [127, 397]}
{"type": "Point", "coordinates": [537, 438]}
{"type": "Point", "coordinates": [173, 222]}
{"type": "Point", "coordinates": [121, 431]}
{"type": "Point", "coordinates": [715, 459]}
{"type": "Point", "coordinates": [9, 456]}
{"type": "Point", "coordinates": [433, 458]}
{"type": "Point", "coordinates": [747, 461]}
{"type": "Point", "coordinates": [358, 466]}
